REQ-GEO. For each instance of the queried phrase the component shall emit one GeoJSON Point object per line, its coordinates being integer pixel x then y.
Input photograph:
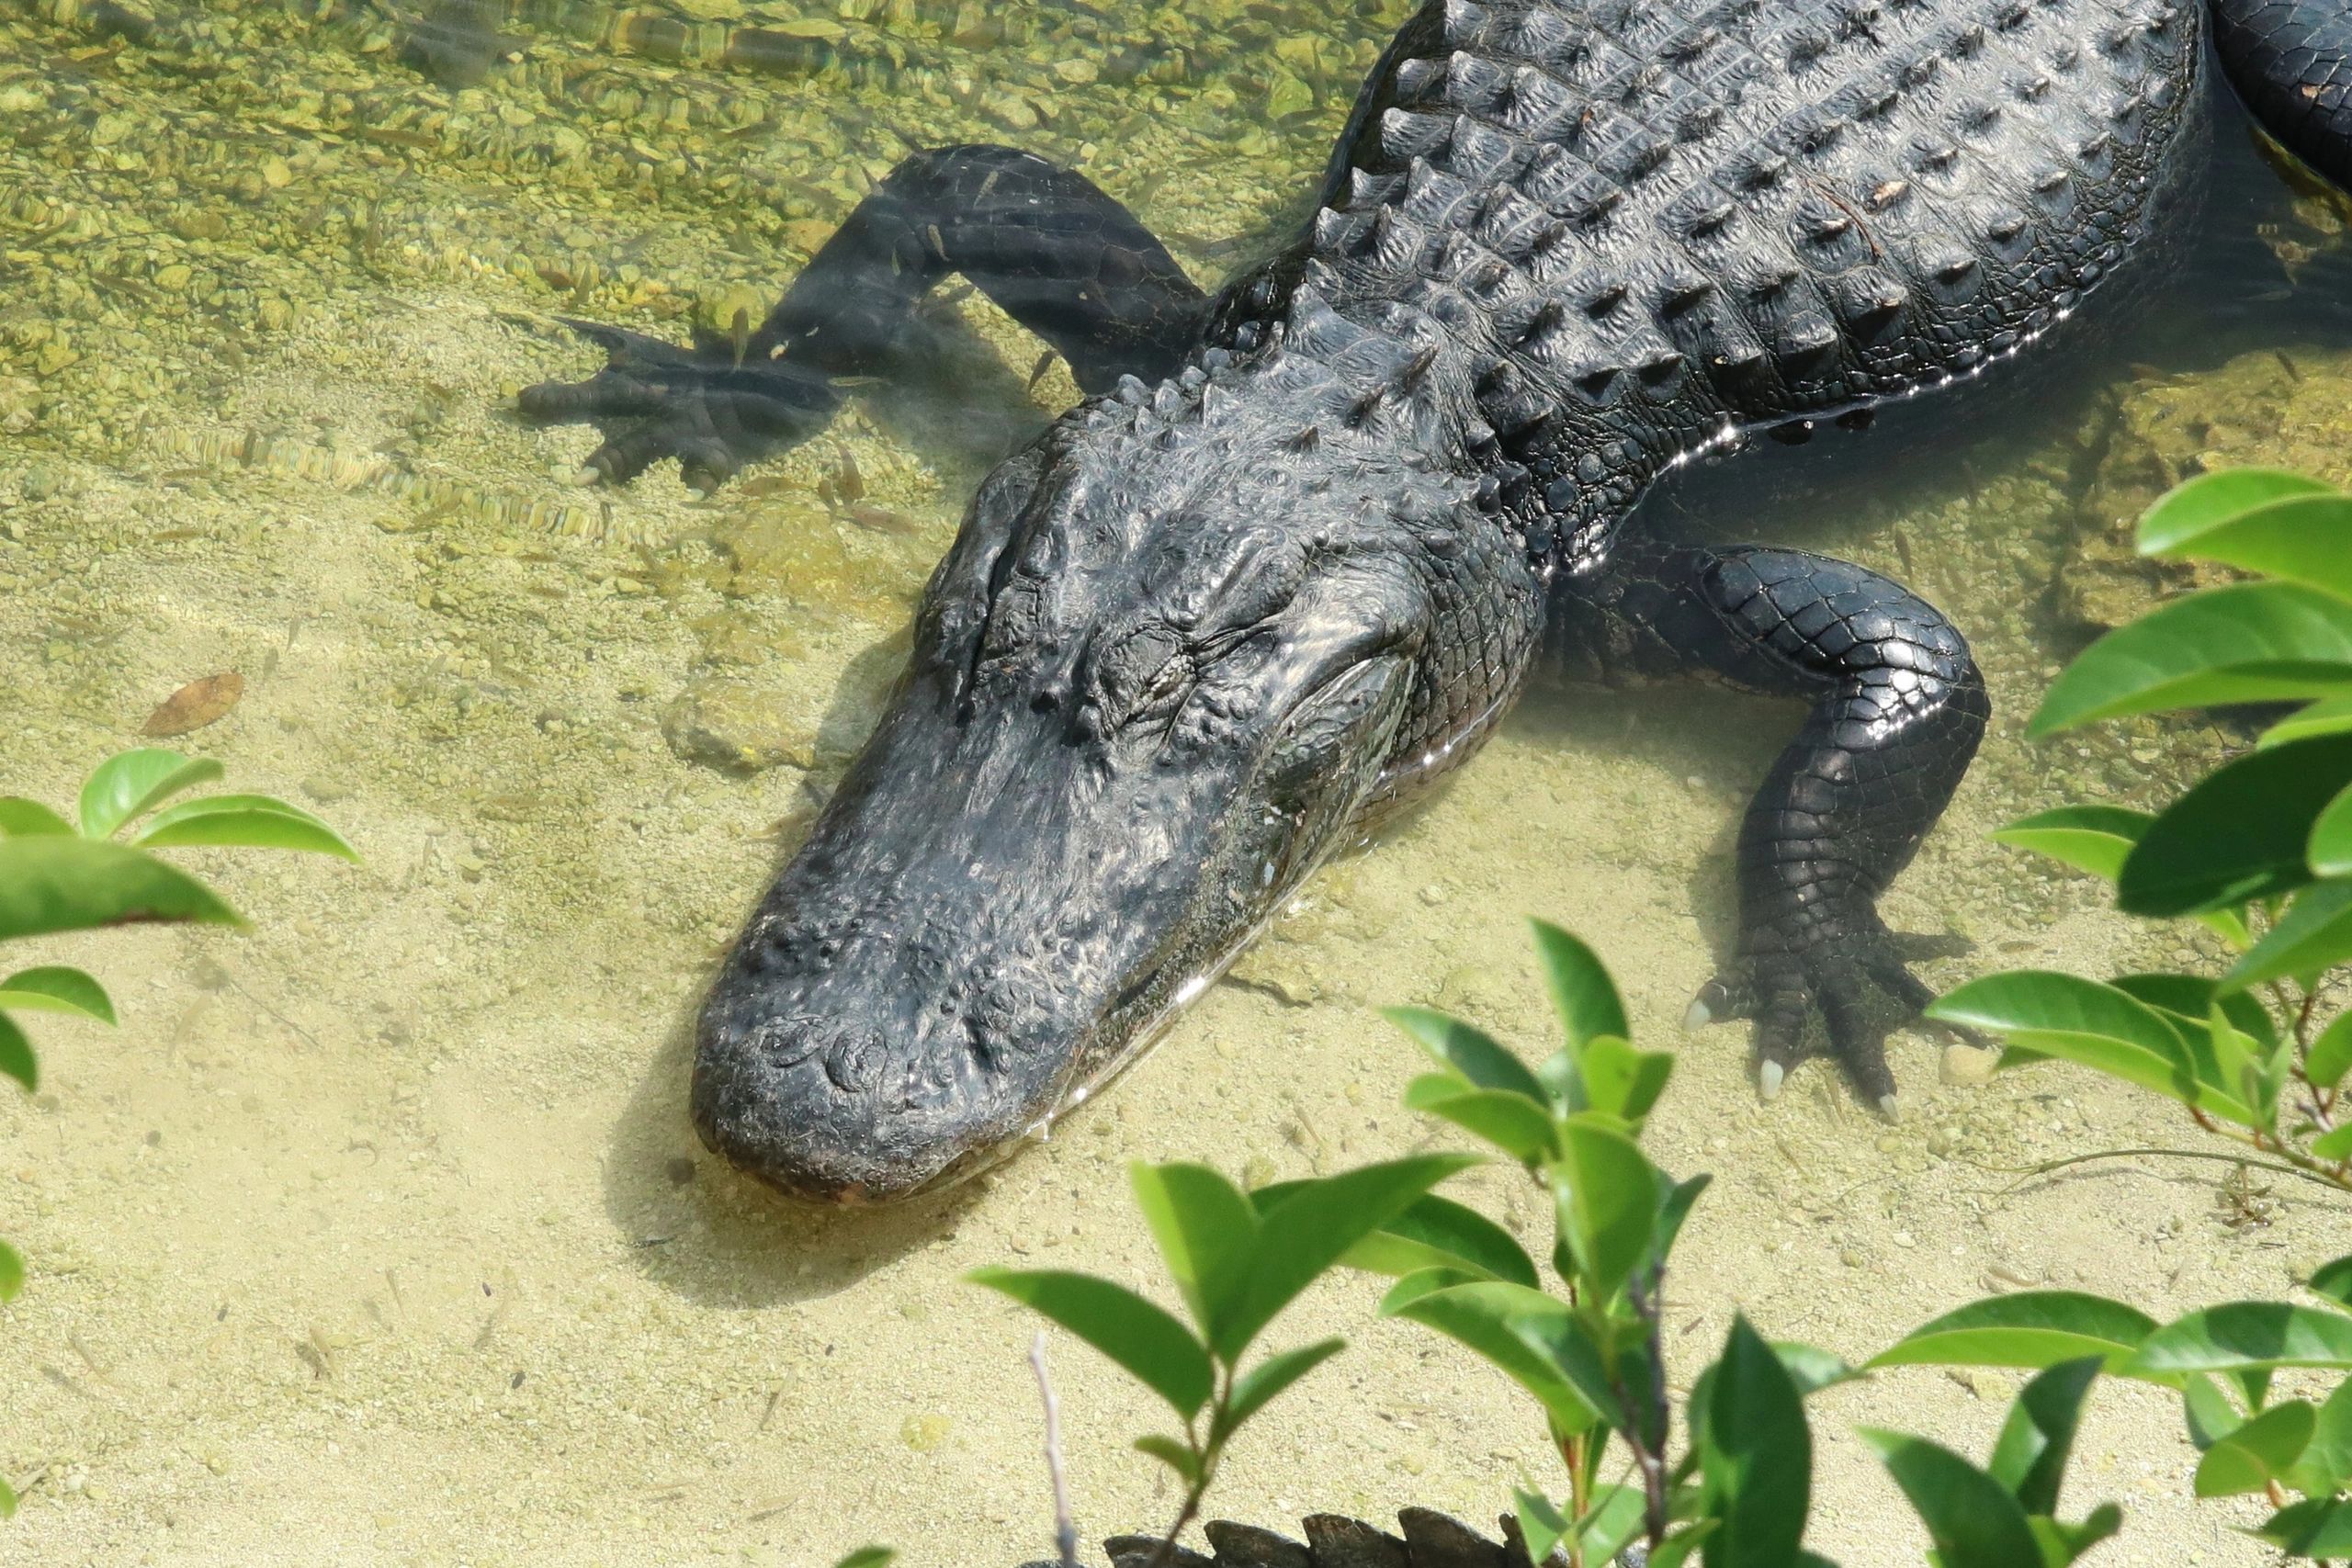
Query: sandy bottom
{"type": "Point", "coordinates": [379, 1235]}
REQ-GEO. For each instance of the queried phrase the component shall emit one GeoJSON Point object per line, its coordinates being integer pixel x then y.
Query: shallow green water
{"type": "Point", "coordinates": [379, 1235]}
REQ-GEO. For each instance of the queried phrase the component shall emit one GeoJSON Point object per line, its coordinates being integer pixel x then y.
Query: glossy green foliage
{"type": "Point", "coordinates": [1589, 1351]}
{"type": "Point", "coordinates": [1238, 1259]}
{"type": "Point", "coordinates": [59, 876]}
{"type": "Point", "coordinates": [2259, 850]}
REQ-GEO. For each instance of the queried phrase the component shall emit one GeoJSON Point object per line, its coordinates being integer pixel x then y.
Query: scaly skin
{"type": "Point", "coordinates": [1297, 559]}
{"type": "Point", "coordinates": [2292, 61]}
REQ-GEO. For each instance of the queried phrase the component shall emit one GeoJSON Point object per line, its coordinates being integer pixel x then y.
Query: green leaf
{"type": "Point", "coordinates": [2062, 1543]}
{"type": "Point", "coordinates": [8, 1501]}
{"type": "Point", "coordinates": [1487, 1317]}
{"type": "Point", "coordinates": [2317, 1527]}
{"type": "Point", "coordinates": [1811, 1368]}
{"type": "Point", "coordinates": [1271, 1376]}
{"type": "Point", "coordinates": [2209, 1413]}
{"type": "Point", "coordinates": [133, 782]}
{"type": "Point", "coordinates": [2046, 1013]}
{"type": "Point", "coordinates": [1620, 1081]}
{"type": "Point", "coordinates": [2246, 643]}
{"type": "Point", "coordinates": [2260, 1451]}
{"type": "Point", "coordinates": [1971, 1518]}
{"type": "Point", "coordinates": [254, 821]}
{"type": "Point", "coordinates": [1539, 1522]}
{"type": "Point", "coordinates": [2301, 538]}
{"type": "Point", "coordinates": [1519, 1126]}
{"type": "Point", "coordinates": [1173, 1454]}
{"type": "Point", "coordinates": [2315, 933]}
{"type": "Point", "coordinates": [2031, 1328]}
{"type": "Point", "coordinates": [2324, 718]}
{"type": "Point", "coordinates": [62, 885]}
{"type": "Point", "coordinates": [1678, 1546]}
{"type": "Point", "coordinates": [1566, 1341]}
{"type": "Point", "coordinates": [1311, 1228]}
{"type": "Point", "coordinates": [2241, 1335]}
{"type": "Point", "coordinates": [1758, 1456]}
{"type": "Point", "coordinates": [2334, 1280]}
{"type": "Point", "coordinates": [2329, 848]}
{"type": "Point", "coordinates": [1582, 992]}
{"type": "Point", "coordinates": [1203, 1225]}
{"type": "Point", "coordinates": [2326, 1460]}
{"type": "Point", "coordinates": [2334, 1146]}
{"type": "Point", "coordinates": [1614, 1520]}
{"type": "Point", "coordinates": [2331, 1054]}
{"type": "Point", "coordinates": [2090, 838]}
{"type": "Point", "coordinates": [2239, 833]}
{"type": "Point", "coordinates": [53, 987]}
{"type": "Point", "coordinates": [2187, 1001]}
{"type": "Point", "coordinates": [1672, 1209]}
{"type": "Point", "coordinates": [2029, 1457]}
{"type": "Point", "coordinates": [2196, 507]}
{"type": "Point", "coordinates": [12, 1273]}
{"type": "Point", "coordinates": [1155, 1349]}
{"type": "Point", "coordinates": [869, 1557]}
{"type": "Point", "coordinates": [1464, 1049]}
{"type": "Point", "coordinates": [29, 818]}
{"type": "Point", "coordinates": [1434, 1231]}
{"type": "Point", "coordinates": [16, 1060]}
{"type": "Point", "coordinates": [1609, 1194]}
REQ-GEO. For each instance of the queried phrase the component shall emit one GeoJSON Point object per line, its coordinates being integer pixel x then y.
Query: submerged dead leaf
{"type": "Point", "coordinates": [196, 704]}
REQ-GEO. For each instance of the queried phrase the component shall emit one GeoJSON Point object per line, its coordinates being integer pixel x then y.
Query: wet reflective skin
{"type": "Point", "coordinates": [1300, 548]}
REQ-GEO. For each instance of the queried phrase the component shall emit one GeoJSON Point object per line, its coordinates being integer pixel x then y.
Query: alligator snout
{"type": "Point", "coordinates": [866, 1066]}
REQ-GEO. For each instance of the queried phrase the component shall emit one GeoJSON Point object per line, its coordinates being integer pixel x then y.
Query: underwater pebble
{"type": "Point", "coordinates": [739, 726]}
{"type": "Point", "coordinates": [1968, 1066]}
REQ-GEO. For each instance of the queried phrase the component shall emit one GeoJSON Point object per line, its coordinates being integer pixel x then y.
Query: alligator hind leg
{"type": "Point", "coordinates": [1897, 709]}
{"type": "Point", "coordinates": [1045, 243]}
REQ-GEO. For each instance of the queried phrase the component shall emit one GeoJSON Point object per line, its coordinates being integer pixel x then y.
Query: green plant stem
{"type": "Point", "coordinates": [1572, 1453]}
{"type": "Point", "coordinates": [2318, 1175]}
{"type": "Point", "coordinates": [1207, 1454]}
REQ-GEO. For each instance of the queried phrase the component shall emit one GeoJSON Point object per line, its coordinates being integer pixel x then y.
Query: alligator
{"type": "Point", "coordinates": [1292, 556]}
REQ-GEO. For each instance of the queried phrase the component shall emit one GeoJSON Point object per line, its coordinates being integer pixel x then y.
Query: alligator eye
{"type": "Point", "coordinates": [1142, 675]}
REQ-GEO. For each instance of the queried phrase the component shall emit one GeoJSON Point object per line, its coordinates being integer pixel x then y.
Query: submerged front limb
{"type": "Point", "coordinates": [1897, 709]}
{"type": "Point", "coordinates": [1060, 256]}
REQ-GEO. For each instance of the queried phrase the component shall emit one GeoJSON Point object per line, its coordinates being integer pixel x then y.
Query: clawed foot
{"type": "Point", "coordinates": [713, 406]}
{"type": "Point", "coordinates": [1856, 982]}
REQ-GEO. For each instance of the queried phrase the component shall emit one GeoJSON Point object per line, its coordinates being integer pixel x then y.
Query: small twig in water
{"type": "Point", "coordinates": [2030, 1172]}
{"type": "Point", "coordinates": [1065, 1528]}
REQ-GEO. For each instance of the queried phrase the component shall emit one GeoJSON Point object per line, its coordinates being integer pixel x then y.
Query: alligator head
{"type": "Point", "coordinates": [1180, 645]}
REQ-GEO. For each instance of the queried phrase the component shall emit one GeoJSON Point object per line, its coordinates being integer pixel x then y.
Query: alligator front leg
{"type": "Point", "coordinates": [1897, 709]}
{"type": "Point", "coordinates": [1061, 257]}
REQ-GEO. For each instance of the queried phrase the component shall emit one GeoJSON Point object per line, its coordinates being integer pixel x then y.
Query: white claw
{"type": "Point", "coordinates": [1767, 1078]}
{"type": "Point", "coordinates": [1697, 1015]}
{"type": "Point", "coordinates": [1890, 1107]}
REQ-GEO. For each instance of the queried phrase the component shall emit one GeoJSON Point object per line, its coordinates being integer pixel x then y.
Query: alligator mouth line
{"type": "Point", "coordinates": [1140, 1043]}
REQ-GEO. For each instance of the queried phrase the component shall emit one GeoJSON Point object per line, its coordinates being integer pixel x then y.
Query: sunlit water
{"type": "Point", "coordinates": [378, 1235]}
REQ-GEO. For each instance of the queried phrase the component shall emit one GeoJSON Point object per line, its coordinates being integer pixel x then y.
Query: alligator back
{"type": "Point", "coordinates": [1646, 224]}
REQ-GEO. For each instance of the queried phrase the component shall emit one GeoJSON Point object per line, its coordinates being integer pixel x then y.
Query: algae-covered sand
{"type": "Point", "coordinates": [378, 1235]}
